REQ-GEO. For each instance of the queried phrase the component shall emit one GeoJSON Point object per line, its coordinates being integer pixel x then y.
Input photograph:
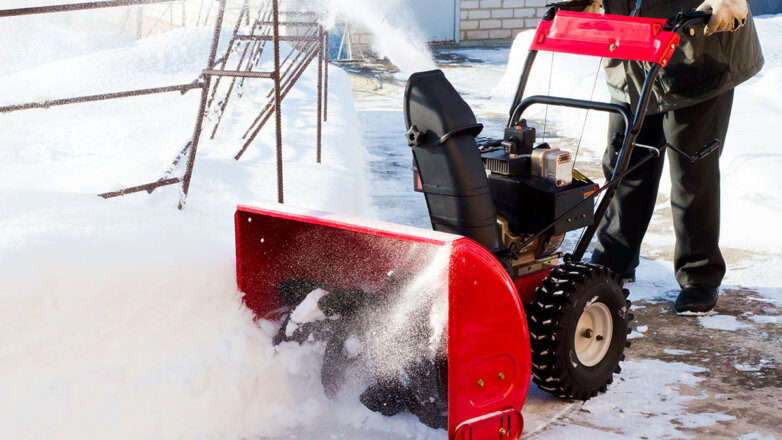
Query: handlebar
{"type": "Point", "coordinates": [688, 21]}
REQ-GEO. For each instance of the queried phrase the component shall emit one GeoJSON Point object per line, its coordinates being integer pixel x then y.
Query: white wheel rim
{"type": "Point", "coordinates": [593, 334]}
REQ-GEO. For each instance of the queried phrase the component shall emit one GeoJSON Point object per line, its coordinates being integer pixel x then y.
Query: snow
{"type": "Point", "coordinates": [635, 334]}
{"type": "Point", "coordinates": [762, 364]}
{"type": "Point", "coordinates": [755, 435]}
{"type": "Point", "coordinates": [121, 319]}
{"type": "Point", "coordinates": [764, 319]}
{"type": "Point", "coordinates": [618, 415]}
{"type": "Point", "coordinates": [307, 310]}
{"type": "Point", "coordinates": [394, 32]}
{"type": "Point", "coordinates": [676, 352]}
{"type": "Point", "coordinates": [722, 322]}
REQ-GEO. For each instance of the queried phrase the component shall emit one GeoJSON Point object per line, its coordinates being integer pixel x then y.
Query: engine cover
{"type": "Point", "coordinates": [530, 203]}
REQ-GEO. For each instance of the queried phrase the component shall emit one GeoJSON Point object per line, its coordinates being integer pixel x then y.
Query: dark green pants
{"type": "Point", "coordinates": [695, 194]}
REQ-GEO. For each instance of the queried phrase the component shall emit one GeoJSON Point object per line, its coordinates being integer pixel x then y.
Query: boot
{"type": "Point", "coordinates": [695, 299]}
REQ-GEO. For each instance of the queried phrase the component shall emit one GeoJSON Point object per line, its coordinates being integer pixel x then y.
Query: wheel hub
{"type": "Point", "coordinates": [593, 334]}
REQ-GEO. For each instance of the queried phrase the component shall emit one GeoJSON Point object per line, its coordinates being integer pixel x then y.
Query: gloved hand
{"type": "Point", "coordinates": [593, 7]}
{"type": "Point", "coordinates": [726, 15]}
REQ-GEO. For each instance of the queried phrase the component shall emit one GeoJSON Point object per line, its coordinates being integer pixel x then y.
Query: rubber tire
{"type": "Point", "coordinates": [552, 318]}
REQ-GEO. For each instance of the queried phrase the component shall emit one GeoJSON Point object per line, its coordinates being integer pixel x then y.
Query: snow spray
{"type": "Point", "coordinates": [395, 34]}
{"type": "Point", "coordinates": [414, 322]}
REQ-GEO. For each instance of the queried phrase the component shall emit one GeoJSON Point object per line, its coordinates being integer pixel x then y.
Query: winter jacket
{"type": "Point", "coordinates": [701, 68]}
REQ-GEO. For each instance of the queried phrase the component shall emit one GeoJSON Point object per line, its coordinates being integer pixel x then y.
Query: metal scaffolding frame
{"type": "Point", "coordinates": [310, 41]}
{"type": "Point", "coordinates": [304, 50]}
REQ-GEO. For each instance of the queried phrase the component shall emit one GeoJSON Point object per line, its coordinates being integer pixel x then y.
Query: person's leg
{"type": "Point", "coordinates": [695, 192]}
{"type": "Point", "coordinates": [622, 229]}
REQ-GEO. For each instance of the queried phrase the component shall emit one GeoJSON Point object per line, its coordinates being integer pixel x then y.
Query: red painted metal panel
{"type": "Point", "coordinates": [501, 425]}
{"type": "Point", "coordinates": [273, 245]}
{"type": "Point", "coordinates": [604, 35]}
{"type": "Point", "coordinates": [527, 284]}
{"type": "Point", "coordinates": [488, 340]}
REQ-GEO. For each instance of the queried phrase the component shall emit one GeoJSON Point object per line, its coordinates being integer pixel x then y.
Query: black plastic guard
{"type": "Point", "coordinates": [452, 175]}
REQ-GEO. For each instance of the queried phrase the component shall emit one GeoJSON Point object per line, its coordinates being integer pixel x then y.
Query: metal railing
{"type": "Point", "coordinates": [266, 28]}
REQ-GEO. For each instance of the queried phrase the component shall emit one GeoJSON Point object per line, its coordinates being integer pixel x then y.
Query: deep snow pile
{"type": "Point", "coordinates": [132, 328]}
{"type": "Point", "coordinates": [750, 160]}
{"type": "Point", "coordinates": [102, 146]}
{"type": "Point", "coordinates": [121, 318]}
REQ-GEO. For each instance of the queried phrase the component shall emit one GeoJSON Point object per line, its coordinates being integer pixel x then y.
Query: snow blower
{"type": "Point", "coordinates": [491, 303]}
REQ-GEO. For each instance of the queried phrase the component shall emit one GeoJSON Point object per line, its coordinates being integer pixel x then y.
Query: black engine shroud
{"type": "Point", "coordinates": [465, 188]}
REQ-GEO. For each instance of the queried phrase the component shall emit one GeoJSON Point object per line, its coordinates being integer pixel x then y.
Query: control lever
{"type": "Point", "coordinates": [703, 152]}
{"type": "Point", "coordinates": [690, 22]}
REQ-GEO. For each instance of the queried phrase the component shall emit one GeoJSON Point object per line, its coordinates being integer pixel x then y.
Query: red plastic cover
{"type": "Point", "coordinates": [609, 36]}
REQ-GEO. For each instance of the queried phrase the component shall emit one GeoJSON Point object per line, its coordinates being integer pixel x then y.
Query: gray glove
{"type": "Point", "coordinates": [726, 15]}
{"type": "Point", "coordinates": [593, 7]}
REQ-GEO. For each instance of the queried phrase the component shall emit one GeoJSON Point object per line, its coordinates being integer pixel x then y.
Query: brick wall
{"type": "Point", "coordinates": [498, 19]}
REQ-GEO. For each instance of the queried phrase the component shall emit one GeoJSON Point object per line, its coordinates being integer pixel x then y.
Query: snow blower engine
{"type": "Point", "coordinates": [472, 309]}
{"type": "Point", "coordinates": [501, 194]}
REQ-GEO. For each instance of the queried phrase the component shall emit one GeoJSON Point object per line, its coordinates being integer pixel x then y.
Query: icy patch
{"type": "Point", "coordinates": [660, 416]}
{"type": "Point", "coordinates": [746, 367]}
{"type": "Point", "coordinates": [561, 431]}
{"type": "Point", "coordinates": [764, 319]}
{"type": "Point", "coordinates": [756, 436]}
{"type": "Point", "coordinates": [722, 322]}
{"type": "Point", "coordinates": [762, 364]}
{"type": "Point", "coordinates": [642, 328]}
{"type": "Point", "coordinates": [634, 334]}
{"type": "Point", "coordinates": [690, 313]}
{"type": "Point", "coordinates": [702, 419]}
{"type": "Point", "coordinates": [676, 352]}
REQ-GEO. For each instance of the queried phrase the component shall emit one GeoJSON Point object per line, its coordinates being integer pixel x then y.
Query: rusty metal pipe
{"type": "Point", "coordinates": [239, 73]}
{"type": "Point", "coordinates": [257, 130]}
{"type": "Point", "coordinates": [287, 80]}
{"type": "Point", "coordinates": [149, 187]}
{"type": "Point", "coordinates": [76, 7]}
{"type": "Point", "coordinates": [182, 88]}
{"type": "Point", "coordinates": [277, 99]}
{"type": "Point", "coordinates": [202, 108]}
{"type": "Point", "coordinates": [318, 130]}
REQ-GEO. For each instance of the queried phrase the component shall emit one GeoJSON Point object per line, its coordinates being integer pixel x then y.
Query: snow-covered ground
{"type": "Point", "coordinates": [121, 318]}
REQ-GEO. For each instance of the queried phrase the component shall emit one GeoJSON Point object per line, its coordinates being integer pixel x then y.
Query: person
{"type": "Point", "coordinates": [690, 107]}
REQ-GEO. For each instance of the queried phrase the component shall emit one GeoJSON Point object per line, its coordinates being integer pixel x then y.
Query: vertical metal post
{"type": "Point", "coordinates": [277, 98]}
{"type": "Point", "coordinates": [326, 80]}
{"type": "Point", "coordinates": [320, 90]}
{"type": "Point", "coordinates": [202, 108]}
{"type": "Point", "coordinates": [522, 84]}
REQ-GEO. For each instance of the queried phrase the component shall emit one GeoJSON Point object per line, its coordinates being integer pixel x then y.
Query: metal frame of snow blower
{"type": "Point", "coordinates": [652, 40]}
